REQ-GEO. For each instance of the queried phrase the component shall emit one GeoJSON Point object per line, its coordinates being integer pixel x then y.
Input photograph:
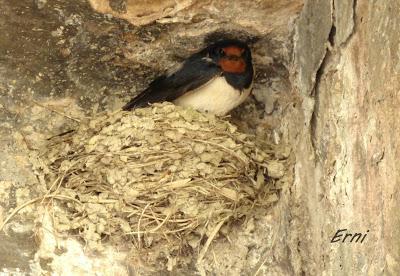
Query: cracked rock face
{"type": "Point", "coordinates": [347, 167]}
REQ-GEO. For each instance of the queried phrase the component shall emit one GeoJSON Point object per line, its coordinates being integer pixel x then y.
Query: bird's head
{"type": "Point", "coordinates": [233, 56]}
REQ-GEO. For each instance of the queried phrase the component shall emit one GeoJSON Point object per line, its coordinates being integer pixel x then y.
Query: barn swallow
{"type": "Point", "coordinates": [217, 79]}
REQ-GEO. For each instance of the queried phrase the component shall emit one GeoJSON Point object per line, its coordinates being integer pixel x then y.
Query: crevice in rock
{"type": "Point", "coordinates": [318, 75]}
{"type": "Point", "coordinates": [332, 33]}
{"type": "Point", "coordinates": [313, 121]}
{"type": "Point", "coordinates": [322, 69]}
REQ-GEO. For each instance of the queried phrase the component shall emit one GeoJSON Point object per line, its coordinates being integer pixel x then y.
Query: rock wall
{"type": "Point", "coordinates": [345, 138]}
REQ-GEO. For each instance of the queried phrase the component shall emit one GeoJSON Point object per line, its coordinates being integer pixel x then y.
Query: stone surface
{"type": "Point", "coordinates": [140, 12]}
{"type": "Point", "coordinates": [343, 21]}
{"type": "Point", "coordinates": [347, 169]}
{"type": "Point", "coordinates": [312, 33]}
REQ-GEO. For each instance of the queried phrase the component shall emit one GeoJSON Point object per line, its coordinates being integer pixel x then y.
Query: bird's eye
{"type": "Point", "coordinates": [221, 52]}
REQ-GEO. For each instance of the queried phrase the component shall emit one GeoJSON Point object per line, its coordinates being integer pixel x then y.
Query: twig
{"type": "Point", "coordinates": [151, 230]}
{"type": "Point", "coordinates": [56, 111]}
{"type": "Point", "coordinates": [224, 148]}
{"type": "Point", "coordinates": [138, 225]}
{"type": "Point", "coordinates": [210, 239]}
{"type": "Point", "coordinates": [61, 134]}
{"type": "Point", "coordinates": [61, 180]}
{"type": "Point", "coordinates": [19, 208]}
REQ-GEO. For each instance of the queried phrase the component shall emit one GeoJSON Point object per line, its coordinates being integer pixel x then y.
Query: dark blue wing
{"type": "Point", "coordinates": [195, 72]}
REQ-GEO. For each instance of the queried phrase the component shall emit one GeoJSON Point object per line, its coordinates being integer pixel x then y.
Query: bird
{"type": "Point", "coordinates": [215, 80]}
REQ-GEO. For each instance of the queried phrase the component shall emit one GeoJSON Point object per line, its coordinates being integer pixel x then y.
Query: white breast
{"type": "Point", "coordinates": [216, 96]}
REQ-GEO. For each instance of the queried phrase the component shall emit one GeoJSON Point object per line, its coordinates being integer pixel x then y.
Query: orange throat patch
{"type": "Point", "coordinates": [236, 66]}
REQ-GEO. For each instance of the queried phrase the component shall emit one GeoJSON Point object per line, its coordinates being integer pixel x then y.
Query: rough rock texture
{"type": "Point", "coordinates": [347, 151]}
{"type": "Point", "coordinates": [140, 12]}
{"type": "Point", "coordinates": [327, 82]}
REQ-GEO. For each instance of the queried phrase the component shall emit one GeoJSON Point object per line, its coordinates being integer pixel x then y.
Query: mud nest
{"type": "Point", "coordinates": [163, 174]}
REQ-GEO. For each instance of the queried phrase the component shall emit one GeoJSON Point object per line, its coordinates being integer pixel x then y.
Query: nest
{"type": "Point", "coordinates": [163, 174]}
